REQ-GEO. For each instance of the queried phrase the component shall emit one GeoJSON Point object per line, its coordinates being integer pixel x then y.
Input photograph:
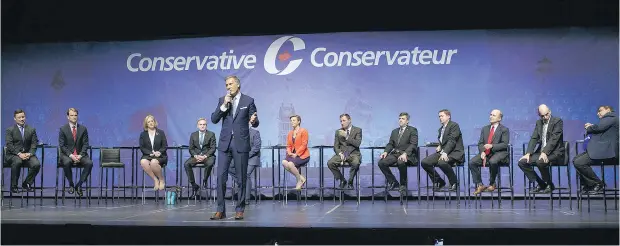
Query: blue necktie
{"type": "Point", "coordinates": [21, 130]}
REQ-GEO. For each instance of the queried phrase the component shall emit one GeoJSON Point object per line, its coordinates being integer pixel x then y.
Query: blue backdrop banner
{"type": "Point", "coordinates": [373, 76]}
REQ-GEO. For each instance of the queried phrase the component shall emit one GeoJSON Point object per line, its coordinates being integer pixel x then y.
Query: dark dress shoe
{"type": "Point", "coordinates": [393, 186]}
{"type": "Point", "coordinates": [350, 184]}
{"type": "Point", "coordinates": [453, 187]}
{"type": "Point", "coordinates": [548, 189]}
{"type": "Point", "coordinates": [14, 189]}
{"type": "Point", "coordinates": [343, 184]}
{"type": "Point", "coordinates": [439, 185]}
{"type": "Point", "coordinates": [78, 190]}
{"type": "Point", "coordinates": [218, 216]}
{"type": "Point", "coordinates": [597, 189]}
{"type": "Point", "coordinates": [205, 183]}
{"type": "Point", "coordinates": [239, 216]}
{"type": "Point", "coordinates": [585, 189]}
{"type": "Point", "coordinates": [71, 190]}
{"type": "Point", "coordinates": [27, 187]}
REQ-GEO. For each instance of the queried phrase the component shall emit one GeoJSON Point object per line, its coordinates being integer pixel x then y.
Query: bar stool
{"type": "Point", "coordinates": [559, 189]}
{"type": "Point", "coordinates": [157, 193]}
{"type": "Point", "coordinates": [110, 158]}
{"type": "Point", "coordinates": [500, 189]}
{"type": "Point", "coordinates": [342, 190]}
{"type": "Point", "coordinates": [303, 189]}
{"type": "Point", "coordinates": [457, 166]}
{"type": "Point", "coordinates": [78, 167]}
{"type": "Point", "coordinates": [418, 166]}
{"type": "Point", "coordinates": [208, 189]}
{"type": "Point", "coordinates": [605, 193]}
{"type": "Point", "coordinates": [23, 171]}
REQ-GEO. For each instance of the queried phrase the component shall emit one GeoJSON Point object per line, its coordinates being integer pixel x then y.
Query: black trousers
{"type": "Point", "coordinates": [587, 176]}
{"type": "Point", "coordinates": [191, 162]}
{"type": "Point", "coordinates": [85, 163]}
{"type": "Point", "coordinates": [33, 164]}
{"type": "Point", "coordinates": [429, 163]}
{"type": "Point", "coordinates": [493, 162]}
{"type": "Point", "coordinates": [392, 160]}
{"type": "Point", "coordinates": [543, 168]}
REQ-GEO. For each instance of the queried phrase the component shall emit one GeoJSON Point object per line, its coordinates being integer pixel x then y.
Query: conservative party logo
{"type": "Point", "coordinates": [273, 53]}
{"type": "Point", "coordinates": [278, 54]}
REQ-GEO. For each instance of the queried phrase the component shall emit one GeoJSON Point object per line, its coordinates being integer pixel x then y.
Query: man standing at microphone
{"type": "Point", "coordinates": [235, 110]}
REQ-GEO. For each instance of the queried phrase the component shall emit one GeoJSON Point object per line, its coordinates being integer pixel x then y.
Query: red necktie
{"type": "Point", "coordinates": [489, 140]}
{"type": "Point", "coordinates": [74, 140]}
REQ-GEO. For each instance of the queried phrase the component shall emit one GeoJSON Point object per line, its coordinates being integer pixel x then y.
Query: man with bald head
{"type": "Point", "coordinates": [493, 147]}
{"type": "Point", "coordinates": [549, 136]}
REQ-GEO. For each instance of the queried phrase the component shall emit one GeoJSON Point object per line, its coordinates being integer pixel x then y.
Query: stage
{"type": "Point", "coordinates": [298, 222]}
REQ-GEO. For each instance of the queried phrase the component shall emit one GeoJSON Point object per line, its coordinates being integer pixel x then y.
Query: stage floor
{"type": "Point", "coordinates": [316, 214]}
{"type": "Point", "coordinates": [329, 214]}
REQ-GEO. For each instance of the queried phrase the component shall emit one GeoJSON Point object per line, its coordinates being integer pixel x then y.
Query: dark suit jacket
{"type": "Point", "coordinates": [208, 146]}
{"type": "Point", "coordinates": [161, 143]}
{"type": "Point", "coordinates": [15, 144]}
{"type": "Point", "coordinates": [555, 138]}
{"type": "Point", "coordinates": [500, 141]}
{"type": "Point", "coordinates": [452, 141]}
{"type": "Point", "coordinates": [237, 123]}
{"type": "Point", "coordinates": [66, 143]}
{"type": "Point", "coordinates": [408, 143]}
{"type": "Point", "coordinates": [604, 140]}
{"type": "Point", "coordinates": [351, 144]}
{"type": "Point", "coordinates": [256, 142]}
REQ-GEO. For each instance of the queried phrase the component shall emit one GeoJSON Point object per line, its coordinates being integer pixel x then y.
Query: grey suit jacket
{"type": "Point", "coordinates": [350, 145]}
{"type": "Point", "coordinates": [604, 140]}
{"type": "Point", "coordinates": [208, 146]}
{"type": "Point", "coordinates": [500, 141]}
{"type": "Point", "coordinates": [255, 143]}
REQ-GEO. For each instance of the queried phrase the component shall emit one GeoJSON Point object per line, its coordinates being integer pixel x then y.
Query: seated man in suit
{"type": "Point", "coordinates": [347, 142]}
{"type": "Point", "coordinates": [449, 152]}
{"type": "Point", "coordinates": [21, 146]}
{"type": "Point", "coordinates": [603, 146]}
{"type": "Point", "coordinates": [549, 136]}
{"type": "Point", "coordinates": [493, 150]}
{"type": "Point", "coordinates": [73, 143]}
{"type": "Point", "coordinates": [401, 149]}
{"type": "Point", "coordinates": [202, 146]}
{"type": "Point", "coordinates": [253, 161]}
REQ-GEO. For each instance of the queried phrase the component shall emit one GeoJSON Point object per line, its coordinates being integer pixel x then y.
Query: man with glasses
{"type": "Point", "coordinates": [549, 136]}
{"type": "Point", "coordinates": [603, 146]}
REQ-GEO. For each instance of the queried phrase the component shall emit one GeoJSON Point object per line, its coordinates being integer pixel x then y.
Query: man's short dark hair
{"type": "Point", "coordinates": [404, 114]}
{"type": "Point", "coordinates": [18, 111]}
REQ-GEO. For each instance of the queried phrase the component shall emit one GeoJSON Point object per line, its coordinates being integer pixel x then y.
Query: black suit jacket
{"type": "Point", "coordinates": [15, 144]}
{"type": "Point", "coordinates": [500, 141]}
{"type": "Point", "coordinates": [161, 143]}
{"type": "Point", "coordinates": [351, 144]}
{"type": "Point", "coordinates": [603, 143]}
{"type": "Point", "coordinates": [66, 143]}
{"type": "Point", "coordinates": [555, 138]}
{"type": "Point", "coordinates": [408, 143]}
{"type": "Point", "coordinates": [452, 141]}
{"type": "Point", "coordinates": [208, 145]}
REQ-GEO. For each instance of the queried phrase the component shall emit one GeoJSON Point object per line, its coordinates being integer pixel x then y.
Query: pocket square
{"type": "Point", "coordinates": [243, 108]}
